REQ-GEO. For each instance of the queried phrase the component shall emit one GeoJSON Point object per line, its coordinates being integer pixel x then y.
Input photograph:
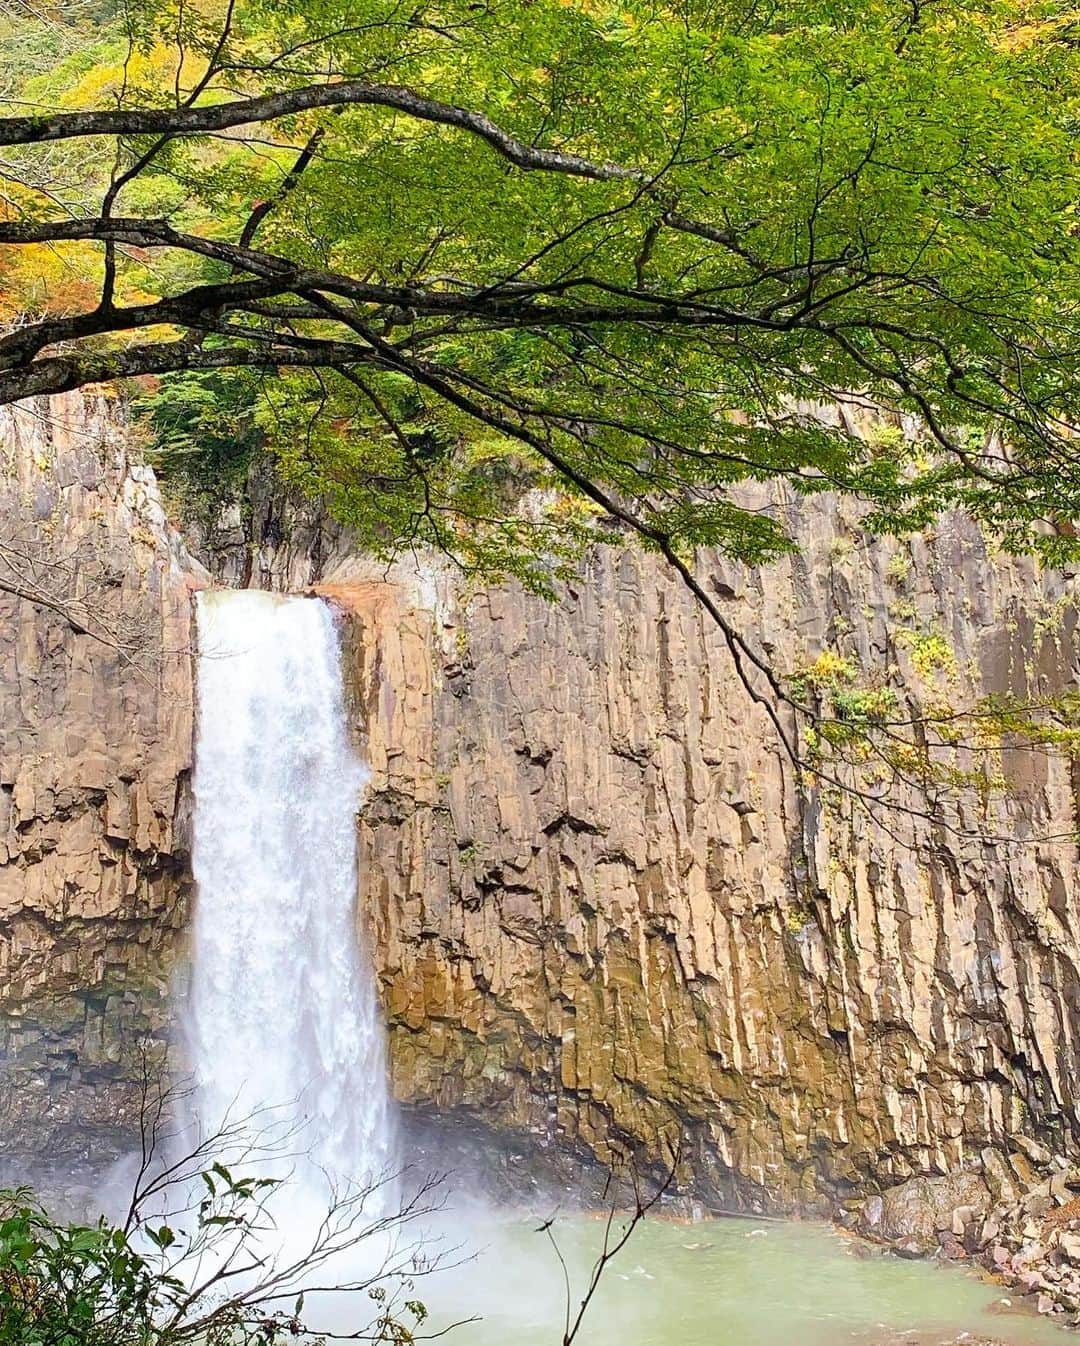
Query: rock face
{"type": "Point", "coordinates": [95, 750]}
{"type": "Point", "coordinates": [604, 911]}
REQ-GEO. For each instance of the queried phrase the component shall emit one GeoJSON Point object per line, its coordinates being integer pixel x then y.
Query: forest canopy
{"type": "Point", "coordinates": [501, 278]}
{"type": "Point", "coordinates": [625, 251]}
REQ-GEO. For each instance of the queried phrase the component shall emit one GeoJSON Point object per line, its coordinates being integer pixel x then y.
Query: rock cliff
{"type": "Point", "coordinates": [95, 750]}
{"type": "Point", "coordinates": [603, 911]}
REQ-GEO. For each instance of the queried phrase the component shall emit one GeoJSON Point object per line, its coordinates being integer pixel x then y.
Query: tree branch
{"type": "Point", "coordinates": [63, 373]}
{"type": "Point", "coordinates": [267, 107]}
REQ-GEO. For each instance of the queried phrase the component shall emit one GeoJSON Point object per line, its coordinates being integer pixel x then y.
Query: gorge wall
{"type": "Point", "coordinates": [602, 910]}
{"type": "Point", "coordinates": [95, 751]}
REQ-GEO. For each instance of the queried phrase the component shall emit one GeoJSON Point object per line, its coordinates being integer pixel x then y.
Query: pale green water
{"type": "Point", "coordinates": [723, 1283]}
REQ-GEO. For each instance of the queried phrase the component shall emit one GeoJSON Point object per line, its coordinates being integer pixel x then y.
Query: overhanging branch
{"type": "Point", "coordinates": [64, 373]}
{"type": "Point", "coordinates": [287, 102]}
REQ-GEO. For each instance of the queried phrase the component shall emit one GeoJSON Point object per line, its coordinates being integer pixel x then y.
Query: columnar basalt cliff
{"type": "Point", "coordinates": [96, 710]}
{"type": "Point", "coordinates": [603, 910]}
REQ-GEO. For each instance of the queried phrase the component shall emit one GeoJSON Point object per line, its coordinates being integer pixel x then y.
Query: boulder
{"type": "Point", "coordinates": [916, 1212]}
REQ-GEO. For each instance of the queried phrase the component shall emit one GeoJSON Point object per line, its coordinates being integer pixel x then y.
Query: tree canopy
{"type": "Point", "coordinates": [504, 276]}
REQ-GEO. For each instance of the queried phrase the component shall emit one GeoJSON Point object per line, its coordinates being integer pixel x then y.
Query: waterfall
{"type": "Point", "coordinates": [283, 1008]}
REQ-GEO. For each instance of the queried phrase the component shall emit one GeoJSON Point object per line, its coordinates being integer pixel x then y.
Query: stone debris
{"type": "Point", "coordinates": [1027, 1239]}
{"type": "Point", "coordinates": [921, 1339]}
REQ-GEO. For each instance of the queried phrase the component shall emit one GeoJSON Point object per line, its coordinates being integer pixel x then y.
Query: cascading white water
{"type": "Point", "coordinates": [283, 1008]}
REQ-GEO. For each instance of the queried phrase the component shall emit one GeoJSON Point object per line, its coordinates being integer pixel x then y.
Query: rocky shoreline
{"type": "Point", "coordinates": [964, 1339]}
{"type": "Point", "coordinates": [1018, 1220]}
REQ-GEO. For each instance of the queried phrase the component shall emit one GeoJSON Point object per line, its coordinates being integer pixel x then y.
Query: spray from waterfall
{"type": "Point", "coordinates": [284, 1014]}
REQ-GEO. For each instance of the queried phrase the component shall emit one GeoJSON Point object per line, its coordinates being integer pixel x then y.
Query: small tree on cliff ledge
{"type": "Point", "coordinates": [607, 259]}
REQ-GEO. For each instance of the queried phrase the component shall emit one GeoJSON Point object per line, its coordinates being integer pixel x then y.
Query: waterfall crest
{"type": "Point", "coordinates": [283, 1007]}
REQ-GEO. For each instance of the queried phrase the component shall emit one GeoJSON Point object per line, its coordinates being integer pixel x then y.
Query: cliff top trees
{"type": "Point", "coordinates": [619, 253]}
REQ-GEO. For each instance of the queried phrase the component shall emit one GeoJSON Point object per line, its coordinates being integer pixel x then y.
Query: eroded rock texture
{"type": "Point", "coordinates": [95, 750]}
{"type": "Point", "coordinates": [601, 907]}
{"type": "Point", "coordinates": [603, 910]}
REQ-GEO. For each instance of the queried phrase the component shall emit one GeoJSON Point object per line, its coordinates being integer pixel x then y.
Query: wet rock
{"type": "Point", "coordinates": [951, 1247]}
